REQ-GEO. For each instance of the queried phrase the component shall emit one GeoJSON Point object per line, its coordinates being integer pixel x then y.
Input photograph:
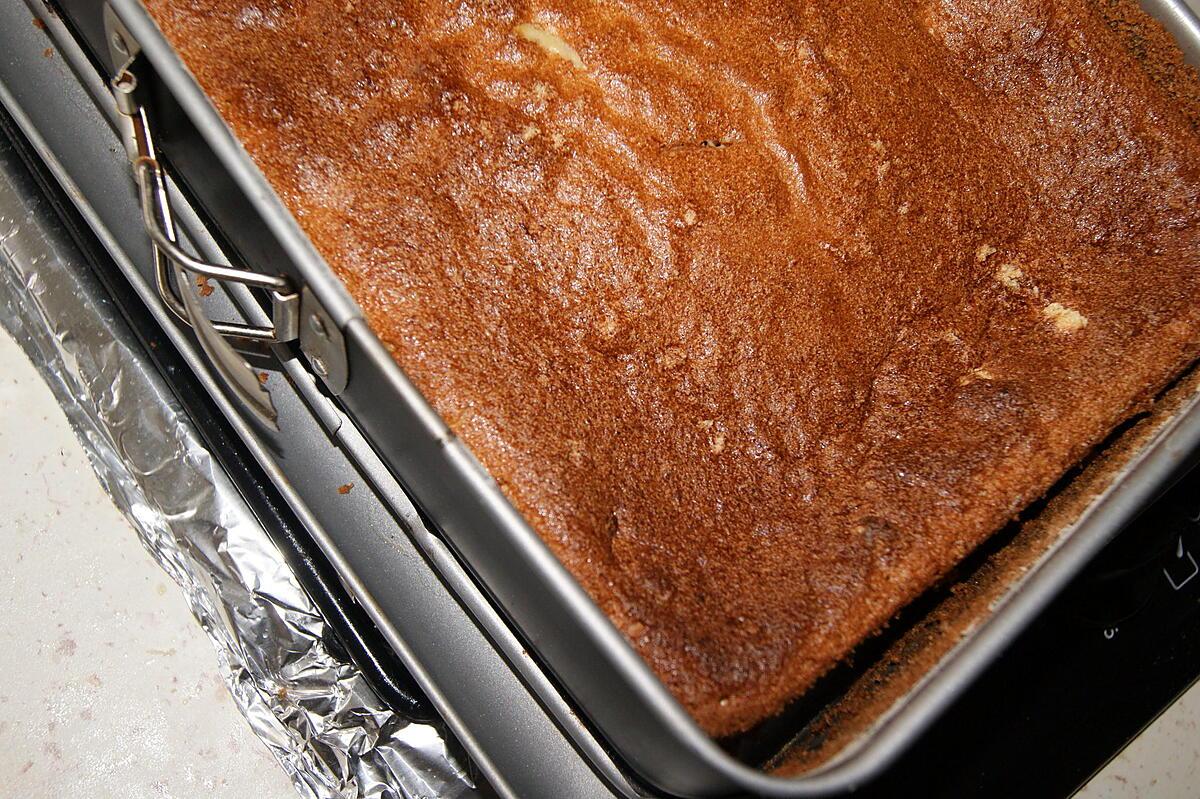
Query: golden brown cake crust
{"type": "Point", "coordinates": [764, 314]}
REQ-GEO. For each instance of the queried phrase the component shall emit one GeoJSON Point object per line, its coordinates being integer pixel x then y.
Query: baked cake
{"type": "Point", "coordinates": [763, 314]}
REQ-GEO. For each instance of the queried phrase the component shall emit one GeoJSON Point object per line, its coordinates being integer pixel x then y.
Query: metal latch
{"type": "Point", "coordinates": [176, 270]}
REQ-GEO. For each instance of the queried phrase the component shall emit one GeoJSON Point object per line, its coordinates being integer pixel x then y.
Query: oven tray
{"type": "Point", "coordinates": [604, 677]}
{"type": "Point", "coordinates": [449, 636]}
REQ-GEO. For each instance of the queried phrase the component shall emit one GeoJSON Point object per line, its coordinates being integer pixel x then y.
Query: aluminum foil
{"type": "Point", "coordinates": [317, 714]}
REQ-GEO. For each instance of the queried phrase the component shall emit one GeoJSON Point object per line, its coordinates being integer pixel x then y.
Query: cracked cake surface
{"type": "Point", "coordinates": [763, 314]}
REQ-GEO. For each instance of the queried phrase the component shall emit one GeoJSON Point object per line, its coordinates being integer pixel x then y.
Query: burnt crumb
{"type": "Point", "coordinates": [205, 287]}
{"type": "Point", "coordinates": [878, 533]}
{"type": "Point", "coordinates": [706, 144]}
{"type": "Point", "coordinates": [346, 488]}
{"type": "Point", "coordinates": [612, 525]}
{"type": "Point", "coordinates": [263, 377]}
{"type": "Point", "coordinates": [37, 23]}
{"type": "Point", "coordinates": [48, 52]}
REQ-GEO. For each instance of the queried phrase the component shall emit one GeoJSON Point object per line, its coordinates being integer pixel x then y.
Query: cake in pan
{"type": "Point", "coordinates": [764, 314]}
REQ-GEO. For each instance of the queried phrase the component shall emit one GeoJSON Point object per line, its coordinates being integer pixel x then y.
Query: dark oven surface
{"type": "Point", "coordinates": [1118, 647]}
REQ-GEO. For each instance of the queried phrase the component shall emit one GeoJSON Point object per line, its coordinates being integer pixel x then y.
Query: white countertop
{"type": "Point", "coordinates": [111, 687]}
{"type": "Point", "coordinates": [1164, 761]}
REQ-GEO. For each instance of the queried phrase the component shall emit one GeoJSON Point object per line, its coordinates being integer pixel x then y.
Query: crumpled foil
{"type": "Point", "coordinates": [317, 714]}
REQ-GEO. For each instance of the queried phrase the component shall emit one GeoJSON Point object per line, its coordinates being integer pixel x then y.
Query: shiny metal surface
{"type": "Point", "coordinates": [63, 107]}
{"type": "Point", "coordinates": [180, 295]}
{"type": "Point", "coordinates": [311, 707]}
{"type": "Point", "coordinates": [321, 340]}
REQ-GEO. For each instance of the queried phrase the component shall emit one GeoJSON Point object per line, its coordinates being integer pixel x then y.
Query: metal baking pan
{"type": "Point", "coordinates": [448, 634]}
{"type": "Point", "coordinates": [588, 657]}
